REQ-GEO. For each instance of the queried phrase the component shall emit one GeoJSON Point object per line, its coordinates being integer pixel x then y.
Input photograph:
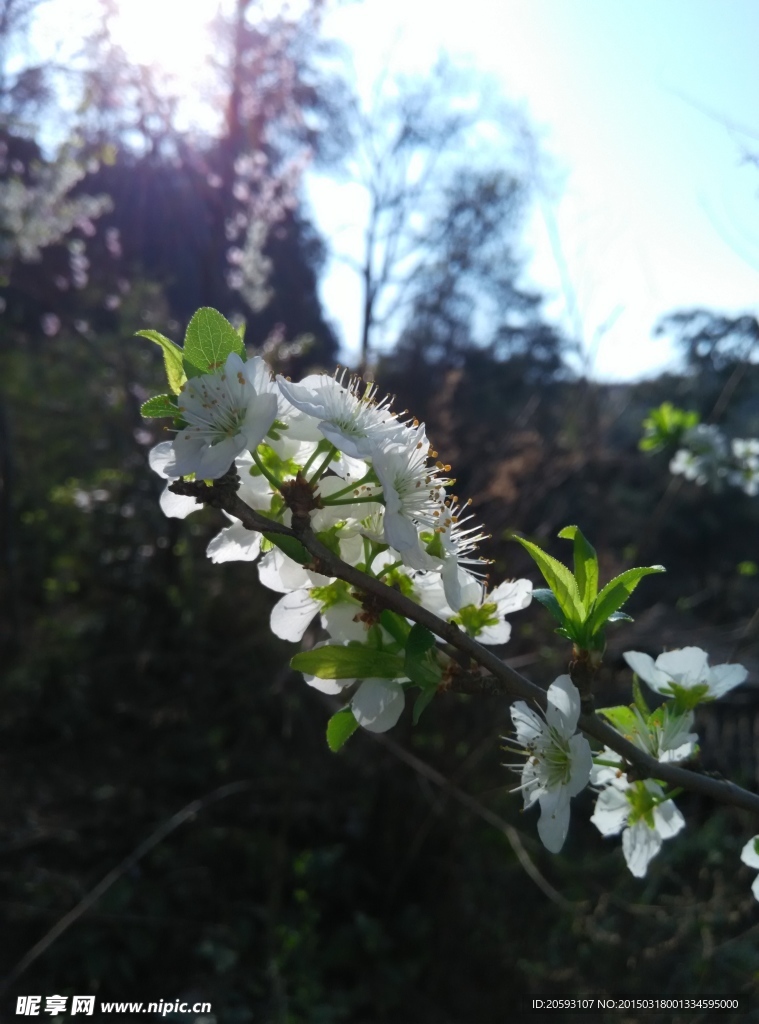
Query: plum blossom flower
{"type": "Point", "coordinates": [750, 856]}
{"type": "Point", "coordinates": [413, 489]}
{"type": "Point", "coordinates": [686, 671]}
{"type": "Point", "coordinates": [559, 760]}
{"type": "Point", "coordinates": [641, 811]}
{"type": "Point", "coordinates": [225, 415]}
{"type": "Point", "coordinates": [482, 614]}
{"type": "Point", "coordinates": [351, 421]}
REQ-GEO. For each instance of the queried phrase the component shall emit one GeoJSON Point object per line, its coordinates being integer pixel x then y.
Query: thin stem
{"type": "Point", "coordinates": [276, 484]}
{"type": "Point", "coordinates": [350, 487]}
{"type": "Point", "coordinates": [312, 458]}
{"type": "Point", "coordinates": [353, 501]}
{"type": "Point", "coordinates": [323, 468]}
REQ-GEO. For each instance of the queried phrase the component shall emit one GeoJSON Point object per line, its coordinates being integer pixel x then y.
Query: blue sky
{"type": "Point", "coordinates": [654, 208]}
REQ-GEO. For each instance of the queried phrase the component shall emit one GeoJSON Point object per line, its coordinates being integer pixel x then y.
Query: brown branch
{"type": "Point", "coordinates": [502, 680]}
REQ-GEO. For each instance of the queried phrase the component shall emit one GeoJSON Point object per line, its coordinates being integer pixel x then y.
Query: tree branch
{"type": "Point", "coordinates": [502, 680]}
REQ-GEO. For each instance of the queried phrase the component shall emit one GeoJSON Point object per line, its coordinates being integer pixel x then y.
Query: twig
{"type": "Point", "coordinates": [116, 873]}
{"type": "Point", "coordinates": [503, 680]}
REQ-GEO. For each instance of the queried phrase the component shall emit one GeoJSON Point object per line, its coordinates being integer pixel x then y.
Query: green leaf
{"type": "Point", "coordinates": [191, 370]}
{"type": "Point", "coordinates": [351, 662]}
{"type": "Point", "coordinates": [620, 617]}
{"type": "Point", "coordinates": [622, 718]}
{"type": "Point", "coordinates": [159, 405]}
{"type": "Point", "coordinates": [559, 579]}
{"type": "Point", "coordinates": [172, 359]}
{"type": "Point", "coordinates": [241, 331]}
{"type": "Point", "coordinates": [547, 598]}
{"type": "Point", "coordinates": [418, 664]}
{"type": "Point", "coordinates": [616, 592]}
{"type": "Point", "coordinates": [422, 701]}
{"type": "Point", "coordinates": [340, 728]}
{"type": "Point", "coordinates": [396, 626]}
{"type": "Point", "coordinates": [291, 547]}
{"type": "Point", "coordinates": [210, 338]}
{"type": "Point", "coordinates": [585, 565]}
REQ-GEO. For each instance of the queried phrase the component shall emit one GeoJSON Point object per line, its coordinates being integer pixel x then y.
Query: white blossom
{"type": "Point", "coordinates": [686, 669]}
{"type": "Point", "coordinates": [641, 812]}
{"type": "Point", "coordinates": [349, 420]}
{"type": "Point", "coordinates": [750, 856]}
{"type": "Point", "coordinates": [225, 416]}
{"type": "Point", "coordinates": [559, 760]}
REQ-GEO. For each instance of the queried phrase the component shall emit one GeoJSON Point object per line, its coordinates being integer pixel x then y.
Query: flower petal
{"type": "Point", "coordinates": [553, 823]}
{"type": "Point", "coordinates": [292, 615]}
{"type": "Point", "coordinates": [581, 763]}
{"type": "Point", "coordinates": [724, 678]}
{"type": "Point", "coordinates": [177, 506]}
{"type": "Point", "coordinates": [639, 844]}
{"type": "Point", "coordinates": [750, 854]}
{"type": "Point", "coordinates": [378, 704]}
{"type": "Point", "coordinates": [643, 665]}
{"type": "Point", "coordinates": [235, 543]}
{"type": "Point", "coordinates": [529, 727]}
{"type": "Point", "coordinates": [612, 811]}
{"type": "Point", "coordinates": [563, 707]}
{"type": "Point", "coordinates": [687, 667]}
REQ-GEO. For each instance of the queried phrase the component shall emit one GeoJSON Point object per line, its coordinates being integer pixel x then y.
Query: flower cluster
{"type": "Point", "coordinates": [640, 809]}
{"type": "Point", "coordinates": [707, 459]}
{"type": "Point", "coordinates": [374, 493]}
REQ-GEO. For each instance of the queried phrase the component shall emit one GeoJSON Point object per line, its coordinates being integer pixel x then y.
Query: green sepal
{"type": "Point", "coordinates": [395, 625]}
{"type": "Point", "coordinates": [585, 565]}
{"type": "Point", "coordinates": [424, 699]}
{"type": "Point", "coordinates": [559, 579]}
{"type": "Point", "coordinates": [616, 592]}
{"type": "Point", "coordinates": [640, 700]}
{"type": "Point", "coordinates": [351, 662]}
{"type": "Point", "coordinates": [210, 338]}
{"type": "Point", "coordinates": [158, 406]}
{"type": "Point", "coordinates": [172, 359]}
{"type": "Point", "coordinates": [340, 728]}
{"type": "Point", "coordinates": [291, 547]}
{"type": "Point", "coordinates": [547, 598]}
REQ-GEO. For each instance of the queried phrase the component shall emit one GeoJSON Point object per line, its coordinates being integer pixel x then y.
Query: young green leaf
{"type": "Point", "coordinates": [159, 405]}
{"type": "Point", "coordinates": [340, 728]}
{"type": "Point", "coordinates": [210, 338]}
{"type": "Point", "coordinates": [616, 592]}
{"type": "Point", "coordinates": [419, 666]}
{"type": "Point", "coordinates": [395, 625]}
{"type": "Point", "coordinates": [585, 565]}
{"type": "Point", "coordinates": [640, 700]}
{"type": "Point", "coordinates": [351, 662]}
{"type": "Point", "coordinates": [172, 359]}
{"type": "Point", "coordinates": [559, 579]}
{"type": "Point", "coordinates": [547, 598]}
{"type": "Point", "coordinates": [422, 701]}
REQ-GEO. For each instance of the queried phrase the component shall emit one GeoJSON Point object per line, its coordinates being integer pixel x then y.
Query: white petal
{"type": "Point", "coordinates": [512, 596]}
{"type": "Point", "coordinates": [581, 763]}
{"type": "Point", "coordinates": [724, 678]}
{"type": "Point", "coordinates": [498, 634]}
{"type": "Point", "coordinates": [639, 845]}
{"type": "Point", "coordinates": [162, 460]}
{"type": "Point", "coordinates": [400, 532]}
{"type": "Point", "coordinates": [687, 667]}
{"type": "Point", "coordinates": [215, 459]}
{"type": "Point", "coordinates": [749, 853]}
{"type": "Point", "coordinates": [354, 447]}
{"type": "Point", "coordinates": [429, 588]}
{"type": "Point", "coordinates": [643, 665]}
{"type": "Point", "coordinates": [529, 727]}
{"type": "Point", "coordinates": [177, 506]}
{"type": "Point", "coordinates": [279, 572]}
{"type": "Point", "coordinates": [302, 397]}
{"type": "Point", "coordinates": [563, 707]}
{"type": "Point", "coordinates": [339, 621]}
{"type": "Point", "coordinates": [755, 888]}
{"type": "Point", "coordinates": [668, 819]}
{"type": "Point", "coordinates": [553, 824]}
{"type": "Point", "coordinates": [378, 704]}
{"type": "Point", "coordinates": [292, 615]}
{"type": "Point", "coordinates": [612, 811]}
{"type": "Point", "coordinates": [235, 544]}
{"type": "Point", "coordinates": [259, 417]}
